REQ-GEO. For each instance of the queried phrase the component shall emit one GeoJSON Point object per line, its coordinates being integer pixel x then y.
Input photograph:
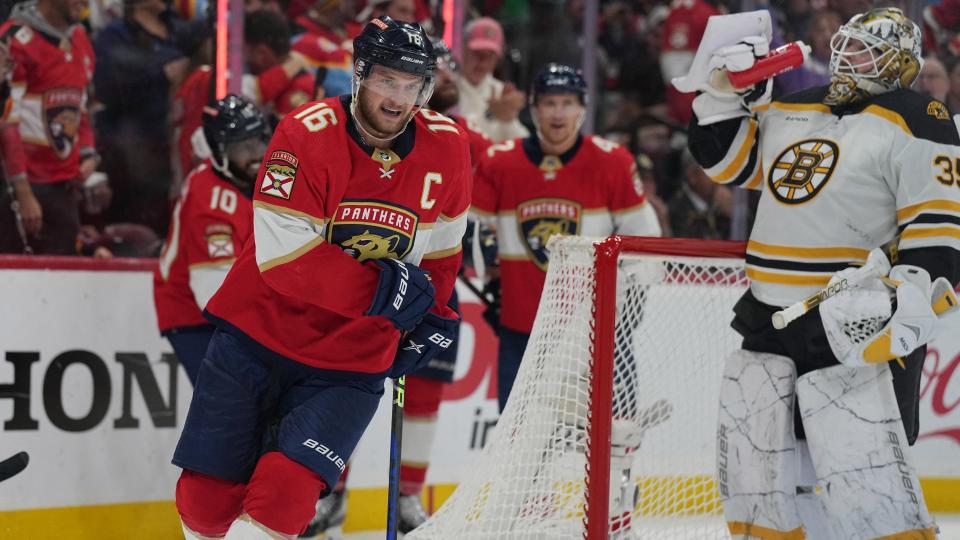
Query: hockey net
{"type": "Point", "coordinates": [628, 329]}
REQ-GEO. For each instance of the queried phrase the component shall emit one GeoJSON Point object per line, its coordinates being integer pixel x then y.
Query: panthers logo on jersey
{"type": "Point", "coordinates": [540, 219]}
{"type": "Point", "coordinates": [61, 114]}
{"type": "Point", "coordinates": [370, 230]}
{"type": "Point", "coordinates": [802, 170]}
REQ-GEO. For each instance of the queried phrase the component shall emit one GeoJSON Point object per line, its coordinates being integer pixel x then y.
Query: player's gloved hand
{"type": "Point", "coordinates": [719, 100]}
{"type": "Point", "coordinates": [404, 294]}
{"type": "Point", "coordinates": [416, 349]}
{"type": "Point", "coordinates": [863, 328]}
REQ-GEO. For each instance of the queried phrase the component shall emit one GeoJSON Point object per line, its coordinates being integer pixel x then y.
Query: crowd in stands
{"type": "Point", "coordinates": [126, 133]}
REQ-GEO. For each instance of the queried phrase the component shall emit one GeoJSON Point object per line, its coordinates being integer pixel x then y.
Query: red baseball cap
{"type": "Point", "coordinates": [485, 34]}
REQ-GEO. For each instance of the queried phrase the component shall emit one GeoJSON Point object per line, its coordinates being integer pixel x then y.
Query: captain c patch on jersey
{"type": "Point", "coordinates": [370, 230]}
{"type": "Point", "coordinates": [802, 170]}
{"type": "Point", "coordinates": [279, 174]}
{"type": "Point", "coordinates": [539, 219]}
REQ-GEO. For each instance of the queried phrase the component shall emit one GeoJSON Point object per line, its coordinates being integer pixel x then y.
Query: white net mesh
{"type": "Point", "coordinates": [672, 336]}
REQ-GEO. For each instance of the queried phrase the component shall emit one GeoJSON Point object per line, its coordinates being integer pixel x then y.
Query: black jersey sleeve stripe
{"type": "Point", "coordinates": [819, 267]}
{"type": "Point", "coordinates": [931, 219]}
{"type": "Point", "coordinates": [748, 171]}
{"type": "Point", "coordinates": [710, 144]}
{"type": "Point", "coordinates": [939, 261]}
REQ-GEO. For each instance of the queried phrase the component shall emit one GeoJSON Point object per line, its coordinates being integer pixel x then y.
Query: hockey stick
{"type": "Point", "coordinates": [12, 466]}
{"type": "Point", "coordinates": [396, 434]}
{"type": "Point", "coordinates": [877, 265]}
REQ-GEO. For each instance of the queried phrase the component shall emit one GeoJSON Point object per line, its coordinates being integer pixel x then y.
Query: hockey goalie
{"type": "Point", "coordinates": [817, 418]}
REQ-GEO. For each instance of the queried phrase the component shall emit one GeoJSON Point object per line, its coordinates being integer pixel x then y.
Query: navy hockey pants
{"type": "Point", "coordinates": [245, 405]}
{"type": "Point", "coordinates": [190, 345]}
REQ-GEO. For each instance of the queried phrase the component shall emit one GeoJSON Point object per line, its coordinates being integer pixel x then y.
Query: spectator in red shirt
{"type": "Point", "coordinates": [278, 81]}
{"type": "Point", "coordinates": [682, 32]}
{"type": "Point", "coordinates": [54, 67]}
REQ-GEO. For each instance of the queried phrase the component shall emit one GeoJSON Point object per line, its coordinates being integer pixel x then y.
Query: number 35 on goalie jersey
{"type": "Point", "coordinates": [836, 186]}
{"type": "Point", "coordinates": [325, 205]}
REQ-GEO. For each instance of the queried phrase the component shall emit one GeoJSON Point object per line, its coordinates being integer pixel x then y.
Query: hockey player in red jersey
{"type": "Point", "coordinates": [359, 210]}
{"type": "Point", "coordinates": [54, 67]}
{"type": "Point", "coordinates": [560, 182]}
{"type": "Point", "coordinates": [424, 388]}
{"type": "Point", "coordinates": [211, 222]}
{"type": "Point", "coordinates": [554, 182]}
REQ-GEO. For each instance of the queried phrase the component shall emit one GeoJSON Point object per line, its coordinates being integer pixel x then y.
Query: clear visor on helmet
{"type": "Point", "coordinates": [859, 54]}
{"type": "Point", "coordinates": [395, 87]}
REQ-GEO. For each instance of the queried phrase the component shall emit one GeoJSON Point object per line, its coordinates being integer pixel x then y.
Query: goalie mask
{"type": "Point", "coordinates": [874, 53]}
{"type": "Point", "coordinates": [236, 133]}
{"type": "Point", "coordinates": [393, 76]}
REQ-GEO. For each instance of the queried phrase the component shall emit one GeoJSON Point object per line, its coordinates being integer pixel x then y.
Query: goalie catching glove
{"type": "Point", "coordinates": [404, 294]}
{"type": "Point", "coordinates": [862, 327]}
{"type": "Point", "coordinates": [719, 101]}
{"type": "Point", "coordinates": [424, 343]}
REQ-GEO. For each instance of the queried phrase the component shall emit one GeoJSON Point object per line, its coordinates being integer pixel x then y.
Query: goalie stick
{"type": "Point", "coordinates": [877, 265]}
{"type": "Point", "coordinates": [13, 465]}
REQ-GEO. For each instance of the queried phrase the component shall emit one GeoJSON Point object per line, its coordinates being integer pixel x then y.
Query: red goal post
{"type": "Point", "coordinates": [607, 255]}
{"type": "Point", "coordinates": [629, 341]}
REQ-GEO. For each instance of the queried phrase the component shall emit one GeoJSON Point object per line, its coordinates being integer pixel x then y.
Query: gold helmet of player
{"type": "Point", "coordinates": [875, 52]}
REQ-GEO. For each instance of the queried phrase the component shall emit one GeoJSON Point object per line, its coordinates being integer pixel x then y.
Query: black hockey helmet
{"type": "Point", "coordinates": [397, 45]}
{"type": "Point", "coordinates": [559, 79]}
{"type": "Point", "coordinates": [234, 128]}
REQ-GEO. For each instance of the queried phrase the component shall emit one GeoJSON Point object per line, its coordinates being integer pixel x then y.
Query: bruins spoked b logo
{"type": "Point", "coordinates": [801, 171]}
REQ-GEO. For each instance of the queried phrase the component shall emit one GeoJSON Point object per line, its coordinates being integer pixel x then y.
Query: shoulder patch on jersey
{"type": "Point", "coordinates": [280, 173]}
{"type": "Point", "coordinates": [938, 110]}
{"type": "Point", "coordinates": [540, 219]}
{"type": "Point", "coordinates": [219, 240]}
{"type": "Point", "coordinates": [802, 170]}
{"type": "Point", "coordinates": [369, 229]}
{"type": "Point", "coordinates": [921, 115]}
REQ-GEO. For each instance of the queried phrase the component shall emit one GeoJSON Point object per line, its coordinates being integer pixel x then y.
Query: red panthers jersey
{"type": "Point", "coordinates": [326, 206]}
{"type": "Point", "coordinates": [478, 141]}
{"type": "Point", "coordinates": [211, 222]}
{"type": "Point", "coordinates": [593, 189]}
{"type": "Point", "coordinates": [49, 99]}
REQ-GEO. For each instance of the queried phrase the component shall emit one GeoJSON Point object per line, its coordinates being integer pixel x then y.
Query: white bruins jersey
{"type": "Point", "coordinates": [835, 186]}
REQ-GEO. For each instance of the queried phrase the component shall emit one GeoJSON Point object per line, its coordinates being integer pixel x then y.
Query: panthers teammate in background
{"type": "Point", "coordinates": [844, 169]}
{"type": "Point", "coordinates": [424, 388]}
{"type": "Point", "coordinates": [558, 182]}
{"type": "Point", "coordinates": [554, 182]}
{"type": "Point", "coordinates": [211, 222]}
{"type": "Point", "coordinates": [360, 197]}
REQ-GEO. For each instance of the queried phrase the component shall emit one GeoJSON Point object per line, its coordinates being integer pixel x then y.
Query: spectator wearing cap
{"type": "Point", "coordinates": [491, 104]}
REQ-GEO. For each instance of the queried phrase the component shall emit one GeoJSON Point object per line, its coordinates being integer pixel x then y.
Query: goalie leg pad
{"type": "Point", "coordinates": [756, 446]}
{"type": "Point", "coordinates": [859, 449]}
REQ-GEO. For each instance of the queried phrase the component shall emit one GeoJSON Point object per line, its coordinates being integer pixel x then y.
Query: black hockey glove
{"type": "Point", "coordinates": [404, 294]}
{"type": "Point", "coordinates": [416, 349]}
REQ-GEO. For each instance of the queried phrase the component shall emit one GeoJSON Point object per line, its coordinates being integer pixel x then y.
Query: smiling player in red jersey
{"type": "Point", "coordinates": [359, 199]}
